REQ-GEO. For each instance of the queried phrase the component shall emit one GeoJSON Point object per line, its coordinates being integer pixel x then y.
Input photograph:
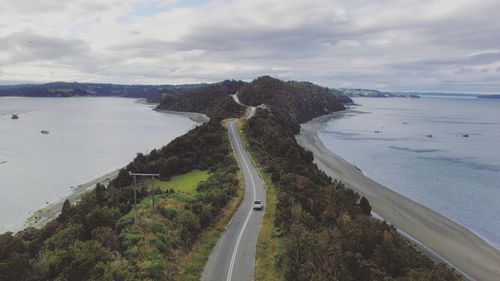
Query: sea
{"type": "Point", "coordinates": [442, 151]}
{"type": "Point", "coordinates": [87, 138]}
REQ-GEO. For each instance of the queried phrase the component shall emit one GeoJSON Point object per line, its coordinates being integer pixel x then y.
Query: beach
{"type": "Point", "coordinates": [438, 236]}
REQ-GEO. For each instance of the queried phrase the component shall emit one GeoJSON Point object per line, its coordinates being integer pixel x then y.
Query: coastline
{"type": "Point", "coordinates": [193, 116]}
{"type": "Point", "coordinates": [433, 233]}
{"type": "Point", "coordinates": [50, 212]}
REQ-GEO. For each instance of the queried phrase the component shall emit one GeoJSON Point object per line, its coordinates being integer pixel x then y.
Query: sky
{"type": "Point", "coordinates": [439, 45]}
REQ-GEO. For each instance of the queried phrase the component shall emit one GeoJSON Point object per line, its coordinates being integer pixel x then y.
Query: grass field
{"type": "Point", "coordinates": [185, 183]}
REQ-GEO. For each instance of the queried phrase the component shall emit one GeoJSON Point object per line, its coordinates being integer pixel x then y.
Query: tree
{"type": "Point", "coordinates": [106, 236]}
{"type": "Point", "coordinates": [65, 212]}
{"type": "Point", "coordinates": [365, 206]}
{"type": "Point", "coordinates": [100, 193]}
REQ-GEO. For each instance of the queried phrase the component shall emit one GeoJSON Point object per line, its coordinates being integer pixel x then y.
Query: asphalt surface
{"type": "Point", "coordinates": [233, 257]}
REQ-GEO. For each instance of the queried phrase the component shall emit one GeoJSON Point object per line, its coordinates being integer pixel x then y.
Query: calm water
{"type": "Point", "coordinates": [454, 175]}
{"type": "Point", "coordinates": [89, 137]}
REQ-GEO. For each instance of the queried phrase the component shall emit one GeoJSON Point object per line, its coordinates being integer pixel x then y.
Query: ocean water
{"type": "Point", "coordinates": [421, 152]}
{"type": "Point", "coordinates": [89, 137]}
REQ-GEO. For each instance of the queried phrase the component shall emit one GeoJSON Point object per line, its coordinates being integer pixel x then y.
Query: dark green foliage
{"type": "Point", "coordinates": [203, 148]}
{"type": "Point", "coordinates": [214, 100]}
{"type": "Point", "coordinates": [100, 193]}
{"type": "Point", "coordinates": [365, 206]}
{"type": "Point", "coordinates": [66, 210]}
{"type": "Point", "coordinates": [14, 258]}
{"type": "Point", "coordinates": [293, 102]}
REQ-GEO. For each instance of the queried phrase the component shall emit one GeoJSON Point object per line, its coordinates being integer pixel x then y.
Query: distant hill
{"type": "Point", "coordinates": [301, 100]}
{"type": "Point", "coordinates": [65, 89]}
{"type": "Point", "coordinates": [488, 96]}
{"type": "Point", "coordinates": [375, 93]}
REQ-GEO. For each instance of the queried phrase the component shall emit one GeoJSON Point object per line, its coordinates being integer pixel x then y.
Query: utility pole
{"type": "Point", "coordinates": [135, 175]}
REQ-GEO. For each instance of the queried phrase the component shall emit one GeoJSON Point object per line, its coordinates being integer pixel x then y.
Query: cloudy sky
{"type": "Point", "coordinates": [438, 45]}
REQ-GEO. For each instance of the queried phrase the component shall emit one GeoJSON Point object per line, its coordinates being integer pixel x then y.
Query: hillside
{"type": "Point", "coordinates": [64, 89]}
{"type": "Point", "coordinates": [214, 100]}
{"type": "Point", "coordinates": [294, 102]}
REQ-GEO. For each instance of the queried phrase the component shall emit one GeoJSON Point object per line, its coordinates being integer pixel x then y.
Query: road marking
{"type": "Point", "coordinates": [238, 240]}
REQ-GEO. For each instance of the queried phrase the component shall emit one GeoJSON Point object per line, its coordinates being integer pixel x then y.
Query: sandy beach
{"type": "Point", "coordinates": [435, 234]}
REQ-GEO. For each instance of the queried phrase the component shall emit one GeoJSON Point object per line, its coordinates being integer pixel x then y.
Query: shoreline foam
{"type": "Point", "coordinates": [453, 243]}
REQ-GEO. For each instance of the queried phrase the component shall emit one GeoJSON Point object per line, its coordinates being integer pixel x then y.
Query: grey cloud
{"type": "Point", "coordinates": [38, 6]}
{"type": "Point", "coordinates": [391, 50]}
{"type": "Point", "coordinates": [27, 46]}
{"type": "Point", "coordinates": [484, 58]}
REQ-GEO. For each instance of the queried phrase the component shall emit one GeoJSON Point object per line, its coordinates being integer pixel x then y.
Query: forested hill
{"type": "Point", "coordinates": [64, 89]}
{"type": "Point", "coordinates": [294, 102]}
{"type": "Point", "coordinates": [213, 100]}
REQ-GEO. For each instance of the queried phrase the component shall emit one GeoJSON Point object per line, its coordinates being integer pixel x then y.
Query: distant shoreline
{"type": "Point", "coordinates": [452, 242]}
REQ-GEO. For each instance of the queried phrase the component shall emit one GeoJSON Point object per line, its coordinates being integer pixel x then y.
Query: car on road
{"type": "Point", "coordinates": [258, 205]}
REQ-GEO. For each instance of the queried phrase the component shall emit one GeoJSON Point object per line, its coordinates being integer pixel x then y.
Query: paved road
{"type": "Point", "coordinates": [233, 256]}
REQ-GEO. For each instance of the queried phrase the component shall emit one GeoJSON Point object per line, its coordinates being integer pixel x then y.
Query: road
{"type": "Point", "coordinates": [233, 257]}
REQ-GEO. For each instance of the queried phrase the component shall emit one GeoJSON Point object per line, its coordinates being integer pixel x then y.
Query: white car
{"type": "Point", "coordinates": [258, 205]}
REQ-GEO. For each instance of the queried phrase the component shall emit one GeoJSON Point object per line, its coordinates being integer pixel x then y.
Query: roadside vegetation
{"type": "Point", "coordinates": [268, 241]}
{"type": "Point", "coordinates": [324, 231]}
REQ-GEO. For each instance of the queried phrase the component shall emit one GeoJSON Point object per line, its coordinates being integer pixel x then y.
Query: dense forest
{"type": "Point", "coordinates": [325, 230]}
{"type": "Point", "coordinates": [213, 100]}
{"type": "Point", "coordinates": [97, 239]}
{"type": "Point", "coordinates": [63, 89]}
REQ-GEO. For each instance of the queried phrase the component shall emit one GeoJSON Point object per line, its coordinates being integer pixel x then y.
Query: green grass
{"type": "Point", "coordinates": [185, 183]}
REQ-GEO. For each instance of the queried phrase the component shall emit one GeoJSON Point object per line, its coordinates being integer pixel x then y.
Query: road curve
{"type": "Point", "coordinates": [233, 257]}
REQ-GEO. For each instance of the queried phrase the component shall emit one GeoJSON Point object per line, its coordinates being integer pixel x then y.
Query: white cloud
{"type": "Point", "coordinates": [399, 45]}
